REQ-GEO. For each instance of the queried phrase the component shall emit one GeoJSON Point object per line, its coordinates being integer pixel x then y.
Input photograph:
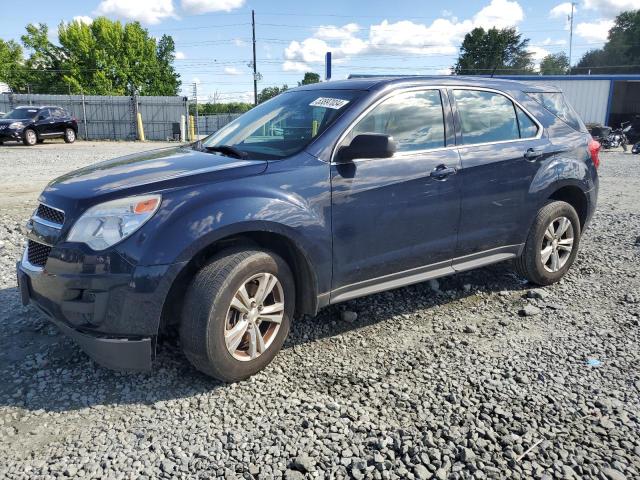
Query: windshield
{"type": "Point", "coordinates": [22, 113]}
{"type": "Point", "coordinates": [284, 125]}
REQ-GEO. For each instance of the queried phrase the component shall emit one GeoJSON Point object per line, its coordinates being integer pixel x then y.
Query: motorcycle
{"type": "Point", "coordinates": [613, 137]}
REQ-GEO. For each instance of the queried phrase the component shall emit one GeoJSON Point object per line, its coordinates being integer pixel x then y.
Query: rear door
{"type": "Point", "coordinates": [502, 147]}
{"type": "Point", "coordinates": [393, 215]}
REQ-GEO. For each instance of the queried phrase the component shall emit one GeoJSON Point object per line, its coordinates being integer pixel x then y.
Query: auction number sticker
{"type": "Point", "coordinates": [326, 102]}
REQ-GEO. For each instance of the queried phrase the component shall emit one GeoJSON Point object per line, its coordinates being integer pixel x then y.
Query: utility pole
{"type": "Point", "coordinates": [573, 5]}
{"type": "Point", "coordinates": [255, 67]}
{"type": "Point", "coordinates": [195, 97]}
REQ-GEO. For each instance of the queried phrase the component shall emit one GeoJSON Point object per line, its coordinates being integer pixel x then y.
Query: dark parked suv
{"type": "Point", "coordinates": [325, 193]}
{"type": "Point", "coordinates": [31, 125]}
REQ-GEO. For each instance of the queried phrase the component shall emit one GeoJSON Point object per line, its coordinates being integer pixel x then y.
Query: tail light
{"type": "Point", "coordinates": [594, 151]}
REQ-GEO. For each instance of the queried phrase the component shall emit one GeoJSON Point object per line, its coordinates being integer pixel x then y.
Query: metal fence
{"type": "Point", "coordinates": [112, 117]}
{"type": "Point", "coordinates": [208, 124]}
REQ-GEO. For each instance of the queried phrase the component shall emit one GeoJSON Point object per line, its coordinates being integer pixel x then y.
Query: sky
{"type": "Point", "coordinates": [214, 49]}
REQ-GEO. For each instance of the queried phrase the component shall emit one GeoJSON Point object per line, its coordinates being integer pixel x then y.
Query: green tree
{"type": "Point", "coordinates": [11, 64]}
{"type": "Point", "coordinates": [621, 52]}
{"type": "Point", "coordinates": [104, 58]}
{"type": "Point", "coordinates": [270, 92]}
{"type": "Point", "coordinates": [502, 51]}
{"type": "Point", "coordinates": [555, 64]}
{"type": "Point", "coordinates": [309, 78]}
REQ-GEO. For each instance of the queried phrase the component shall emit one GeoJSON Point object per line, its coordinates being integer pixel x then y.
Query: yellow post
{"type": "Point", "coordinates": [314, 128]}
{"type": "Point", "coordinates": [140, 128]}
{"type": "Point", "coordinates": [192, 129]}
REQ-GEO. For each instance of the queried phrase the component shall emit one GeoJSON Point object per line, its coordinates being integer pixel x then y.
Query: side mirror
{"type": "Point", "coordinates": [367, 145]}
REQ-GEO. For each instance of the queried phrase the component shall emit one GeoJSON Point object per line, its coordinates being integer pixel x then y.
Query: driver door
{"type": "Point", "coordinates": [395, 220]}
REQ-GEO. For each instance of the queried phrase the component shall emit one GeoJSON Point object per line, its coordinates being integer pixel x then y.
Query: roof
{"type": "Point", "coordinates": [365, 82]}
{"type": "Point", "coordinates": [38, 106]}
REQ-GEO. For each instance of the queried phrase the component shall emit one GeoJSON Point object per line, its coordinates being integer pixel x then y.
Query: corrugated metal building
{"type": "Point", "coordinates": [603, 99]}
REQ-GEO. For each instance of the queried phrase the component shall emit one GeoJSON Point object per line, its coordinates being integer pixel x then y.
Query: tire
{"type": "Point", "coordinates": [69, 135]}
{"type": "Point", "coordinates": [29, 137]}
{"type": "Point", "coordinates": [532, 264]}
{"type": "Point", "coordinates": [208, 315]}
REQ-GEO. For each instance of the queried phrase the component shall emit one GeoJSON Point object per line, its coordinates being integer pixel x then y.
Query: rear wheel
{"type": "Point", "coordinates": [237, 313]}
{"type": "Point", "coordinates": [69, 135]}
{"type": "Point", "coordinates": [552, 244]}
{"type": "Point", "coordinates": [29, 137]}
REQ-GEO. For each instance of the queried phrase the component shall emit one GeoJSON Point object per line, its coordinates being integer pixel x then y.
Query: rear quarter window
{"type": "Point", "coordinates": [555, 103]}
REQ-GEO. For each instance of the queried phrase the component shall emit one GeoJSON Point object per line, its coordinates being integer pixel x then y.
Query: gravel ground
{"type": "Point", "coordinates": [473, 376]}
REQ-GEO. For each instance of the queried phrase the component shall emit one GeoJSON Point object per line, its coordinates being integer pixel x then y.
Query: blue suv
{"type": "Point", "coordinates": [325, 193]}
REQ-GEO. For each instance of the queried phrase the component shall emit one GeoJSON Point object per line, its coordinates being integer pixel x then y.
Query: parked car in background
{"type": "Point", "coordinates": [31, 125]}
{"type": "Point", "coordinates": [325, 193]}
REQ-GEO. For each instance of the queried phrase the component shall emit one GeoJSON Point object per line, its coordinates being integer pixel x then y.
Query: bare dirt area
{"type": "Point", "coordinates": [473, 376]}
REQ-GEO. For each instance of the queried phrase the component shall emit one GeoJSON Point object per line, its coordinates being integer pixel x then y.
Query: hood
{"type": "Point", "coordinates": [146, 172]}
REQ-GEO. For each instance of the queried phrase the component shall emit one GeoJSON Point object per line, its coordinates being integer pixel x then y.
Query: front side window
{"type": "Point", "coordinates": [284, 125]}
{"type": "Point", "coordinates": [486, 117]}
{"type": "Point", "coordinates": [414, 120]}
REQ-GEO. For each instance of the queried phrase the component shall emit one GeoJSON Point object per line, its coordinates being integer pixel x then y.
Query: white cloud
{"type": "Point", "coordinates": [441, 37]}
{"type": "Point", "coordinates": [238, 42]}
{"type": "Point", "coordinates": [597, 31]}
{"type": "Point", "coordinates": [145, 11]}
{"type": "Point", "coordinates": [537, 54]}
{"type": "Point", "coordinates": [610, 8]}
{"type": "Point", "coordinates": [562, 10]}
{"type": "Point", "coordinates": [197, 7]}
{"type": "Point", "coordinates": [289, 66]}
{"type": "Point", "coordinates": [444, 71]}
{"type": "Point", "coordinates": [180, 55]}
{"type": "Point", "coordinates": [331, 32]}
{"type": "Point", "coordinates": [499, 14]}
{"type": "Point", "coordinates": [232, 71]}
{"type": "Point", "coordinates": [83, 19]}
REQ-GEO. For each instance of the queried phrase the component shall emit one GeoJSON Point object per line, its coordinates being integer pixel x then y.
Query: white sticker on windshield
{"type": "Point", "coordinates": [326, 102]}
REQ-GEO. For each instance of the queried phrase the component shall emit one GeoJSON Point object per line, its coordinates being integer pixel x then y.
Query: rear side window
{"type": "Point", "coordinates": [486, 117]}
{"type": "Point", "coordinates": [528, 128]}
{"type": "Point", "coordinates": [557, 104]}
{"type": "Point", "coordinates": [491, 117]}
{"type": "Point", "coordinates": [414, 119]}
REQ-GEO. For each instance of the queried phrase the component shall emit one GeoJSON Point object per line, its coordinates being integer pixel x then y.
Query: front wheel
{"type": "Point", "coordinates": [29, 137]}
{"type": "Point", "coordinates": [237, 313]}
{"type": "Point", "coordinates": [552, 244]}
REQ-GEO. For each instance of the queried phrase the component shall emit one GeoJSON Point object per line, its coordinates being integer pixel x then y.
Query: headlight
{"type": "Point", "coordinates": [111, 222]}
{"type": "Point", "coordinates": [16, 125]}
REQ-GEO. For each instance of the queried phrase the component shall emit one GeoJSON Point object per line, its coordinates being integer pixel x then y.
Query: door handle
{"type": "Point", "coordinates": [441, 172]}
{"type": "Point", "coordinates": [532, 154]}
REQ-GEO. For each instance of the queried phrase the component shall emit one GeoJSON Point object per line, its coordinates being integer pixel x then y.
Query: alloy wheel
{"type": "Point", "coordinates": [31, 137]}
{"type": "Point", "coordinates": [557, 244]}
{"type": "Point", "coordinates": [71, 135]}
{"type": "Point", "coordinates": [254, 317]}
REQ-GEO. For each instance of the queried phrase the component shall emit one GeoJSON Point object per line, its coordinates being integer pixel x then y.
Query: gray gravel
{"type": "Point", "coordinates": [472, 376]}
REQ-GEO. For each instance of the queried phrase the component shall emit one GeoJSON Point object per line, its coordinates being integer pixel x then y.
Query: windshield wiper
{"type": "Point", "coordinates": [228, 150]}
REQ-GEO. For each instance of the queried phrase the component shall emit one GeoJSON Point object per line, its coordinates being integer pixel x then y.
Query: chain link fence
{"type": "Point", "coordinates": [113, 117]}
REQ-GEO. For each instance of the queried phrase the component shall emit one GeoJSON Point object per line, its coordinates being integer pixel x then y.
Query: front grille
{"type": "Point", "coordinates": [50, 214]}
{"type": "Point", "coordinates": [37, 253]}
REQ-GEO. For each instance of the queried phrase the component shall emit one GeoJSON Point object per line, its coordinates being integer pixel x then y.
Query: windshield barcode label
{"type": "Point", "coordinates": [335, 103]}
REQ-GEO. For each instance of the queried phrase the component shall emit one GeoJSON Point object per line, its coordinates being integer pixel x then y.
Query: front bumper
{"type": "Point", "coordinates": [114, 318]}
{"type": "Point", "coordinates": [7, 135]}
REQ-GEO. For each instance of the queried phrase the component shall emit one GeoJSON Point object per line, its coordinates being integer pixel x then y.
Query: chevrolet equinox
{"type": "Point", "coordinates": [325, 193]}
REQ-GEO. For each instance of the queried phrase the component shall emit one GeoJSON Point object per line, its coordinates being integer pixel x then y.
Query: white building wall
{"type": "Point", "coordinates": [588, 97]}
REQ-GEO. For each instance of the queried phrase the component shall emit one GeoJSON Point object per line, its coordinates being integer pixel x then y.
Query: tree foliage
{"type": "Point", "coordinates": [500, 51]}
{"type": "Point", "coordinates": [10, 62]}
{"type": "Point", "coordinates": [103, 58]}
{"type": "Point", "coordinates": [222, 108]}
{"type": "Point", "coordinates": [309, 78]}
{"type": "Point", "coordinates": [621, 52]}
{"type": "Point", "coordinates": [555, 64]}
{"type": "Point", "coordinates": [270, 92]}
